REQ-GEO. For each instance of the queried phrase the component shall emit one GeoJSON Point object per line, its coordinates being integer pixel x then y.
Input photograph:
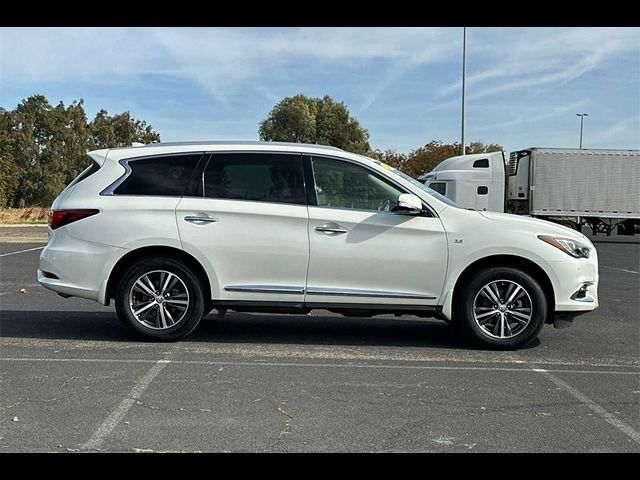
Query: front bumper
{"type": "Point", "coordinates": [565, 319]}
{"type": "Point", "coordinates": [575, 283]}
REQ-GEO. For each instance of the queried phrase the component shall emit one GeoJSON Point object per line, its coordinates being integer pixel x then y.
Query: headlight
{"type": "Point", "coordinates": [567, 245]}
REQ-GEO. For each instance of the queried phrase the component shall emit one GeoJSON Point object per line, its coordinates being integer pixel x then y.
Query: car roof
{"type": "Point", "coordinates": [180, 147]}
{"type": "Point", "coordinates": [120, 153]}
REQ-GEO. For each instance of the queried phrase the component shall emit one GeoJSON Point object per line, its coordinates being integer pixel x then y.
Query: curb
{"type": "Point", "coordinates": [22, 225]}
{"type": "Point", "coordinates": [42, 240]}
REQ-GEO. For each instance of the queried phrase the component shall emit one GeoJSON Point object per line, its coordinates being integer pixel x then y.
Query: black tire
{"type": "Point", "coordinates": [627, 227]}
{"type": "Point", "coordinates": [570, 224]}
{"type": "Point", "coordinates": [185, 320]}
{"type": "Point", "coordinates": [478, 335]}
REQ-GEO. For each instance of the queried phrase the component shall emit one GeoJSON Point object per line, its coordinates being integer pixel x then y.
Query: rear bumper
{"type": "Point", "coordinates": [82, 267]}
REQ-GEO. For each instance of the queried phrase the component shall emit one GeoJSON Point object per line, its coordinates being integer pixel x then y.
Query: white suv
{"type": "Point", "coordinates": [171, 231]}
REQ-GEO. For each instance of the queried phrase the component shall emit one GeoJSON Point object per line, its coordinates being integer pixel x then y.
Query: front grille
{"type": "Point", "coordinates": [513, 163]}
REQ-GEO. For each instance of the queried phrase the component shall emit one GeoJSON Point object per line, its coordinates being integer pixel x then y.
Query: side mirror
{"type": "Point", "coordinates": [409, 203]}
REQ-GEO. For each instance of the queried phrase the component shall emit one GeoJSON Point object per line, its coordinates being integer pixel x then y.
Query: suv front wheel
{"type": "Point", "coordinates": [501, 307]}
{"type": "Point", "coordinates": [160, 298]}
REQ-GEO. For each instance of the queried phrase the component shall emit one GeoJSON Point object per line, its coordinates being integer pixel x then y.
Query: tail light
{"type": "Point", "coordinates": [59, 218]}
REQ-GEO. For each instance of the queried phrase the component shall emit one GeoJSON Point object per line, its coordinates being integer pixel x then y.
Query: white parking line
{"type": "Point", "coordinates": [317, 365]}
{"type": "Point", "coordinates": [582, 398]}
{"type": "Point", "coordinates": [22, 251]}
{"type": "Point", "coordinates": [114, 418]}
{"type": "Point", "coordinates": [620, 269]}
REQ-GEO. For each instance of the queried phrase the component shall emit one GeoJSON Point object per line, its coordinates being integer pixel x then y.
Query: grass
{"type": "Point", "coordinates": [27, 215]}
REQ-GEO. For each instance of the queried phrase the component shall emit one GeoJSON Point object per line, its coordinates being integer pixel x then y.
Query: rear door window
{"type": "Point", "coordinates": [160, 176]}
{"type": "Point", "coordinates": [257, 177]}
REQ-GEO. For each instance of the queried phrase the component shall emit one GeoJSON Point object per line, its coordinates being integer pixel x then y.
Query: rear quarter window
{"type": "Point", "coordinates": [87, 172]}
{"type": "Point", "coordinates": [159, 176]}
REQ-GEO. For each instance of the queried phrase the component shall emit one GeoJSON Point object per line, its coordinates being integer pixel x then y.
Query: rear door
{"type": "Point", "coordinates": [247, 223]}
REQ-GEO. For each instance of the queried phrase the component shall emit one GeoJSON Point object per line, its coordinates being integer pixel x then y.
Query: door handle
{"type": "Point", "coordinates": [331, 229]}
{"type": "Point", "coordinates": [200, 219]}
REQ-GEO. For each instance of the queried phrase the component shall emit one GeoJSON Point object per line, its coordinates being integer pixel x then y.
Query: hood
{"type": "Point", "coordinates": [543, 227]}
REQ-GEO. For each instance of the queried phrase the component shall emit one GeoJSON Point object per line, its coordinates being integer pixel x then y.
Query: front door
{"type": "Point", "coordinates": [247, 223]}
{"type": "Point", "coordinates": [361, 252]}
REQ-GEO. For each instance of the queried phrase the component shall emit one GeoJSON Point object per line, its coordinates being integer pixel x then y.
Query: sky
{"type": "Point", "coordinates": [524, 85]}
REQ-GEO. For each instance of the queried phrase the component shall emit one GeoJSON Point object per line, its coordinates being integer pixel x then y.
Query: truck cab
{"type": "Point", "coordinates": [472, 181]}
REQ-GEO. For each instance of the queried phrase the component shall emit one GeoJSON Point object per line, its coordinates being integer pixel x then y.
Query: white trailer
{"type": "Point", "coordinates": [595, 188]}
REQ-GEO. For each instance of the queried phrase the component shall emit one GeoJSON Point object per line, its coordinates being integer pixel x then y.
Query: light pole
{"type": "Point", "coordinates": [581, 115]}
{"type": "Point", "coordinates": [464, 66]}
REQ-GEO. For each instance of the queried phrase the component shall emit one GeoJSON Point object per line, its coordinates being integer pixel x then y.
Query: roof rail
{"type": "Point", "coordinates": [241, 142]}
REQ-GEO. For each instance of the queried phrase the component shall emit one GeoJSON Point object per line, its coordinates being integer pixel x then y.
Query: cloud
{"type": "Point", "coordinates": [533, 115]}
{"type": "Point", "coordinates": [402, 83]}
{"type": "Point", "coordinates": [221, 60]}
{"type": "Point", "coordinates": [624, 133]}
{"type": "Point", "coordinates": [519, 59]}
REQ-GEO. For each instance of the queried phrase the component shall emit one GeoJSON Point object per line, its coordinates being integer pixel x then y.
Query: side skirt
{"type": "Point", "coordinates": [347, 309]}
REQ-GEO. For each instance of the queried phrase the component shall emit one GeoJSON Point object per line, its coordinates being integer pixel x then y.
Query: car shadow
{"type": "Point", "coordinates": [241, 328]}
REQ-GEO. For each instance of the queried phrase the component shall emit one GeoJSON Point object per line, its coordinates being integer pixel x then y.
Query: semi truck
{"type": "Point", "coordinates": [598, 189]}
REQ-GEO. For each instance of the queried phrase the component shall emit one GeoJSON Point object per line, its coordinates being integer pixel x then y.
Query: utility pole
{"type": "Point", "coordinates": [464, 67]}
{"type": "Point", "coordinates": [581, 115]}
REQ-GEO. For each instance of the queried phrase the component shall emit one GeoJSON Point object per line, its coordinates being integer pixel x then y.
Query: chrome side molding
{"type": "Point", "coordinates": [348, 292]}
{"type": "Point", "coordinates": [343, 292]}
{"type": "Point", "coordinates": [265, 289]}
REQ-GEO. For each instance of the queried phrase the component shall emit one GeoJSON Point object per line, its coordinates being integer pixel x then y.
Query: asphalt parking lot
{"type": "Point", "coordinates": [73, 379]}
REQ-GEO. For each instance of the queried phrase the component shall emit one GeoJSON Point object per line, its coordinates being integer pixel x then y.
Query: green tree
{"type": "Point", "coordinates": [120, 130]}
{"type": "Point", "coordinates": [49, 146]}
{"type": "Point", "coordinates": [9, 171]}
{"type": "Point", "coordinates": [42, 147]}
{"type": "Point", "coordinates": [322, 121]}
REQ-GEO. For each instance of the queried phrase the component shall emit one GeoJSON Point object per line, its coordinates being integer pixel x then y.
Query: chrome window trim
{"type": "Point", "coordinates": [235, 200]}
{"type": "Point", "coordinates": [108, 191]}
{"type": "Point", "coordinates": [352, 292]}
{"type": "Point", "coordinates": [265, 289]}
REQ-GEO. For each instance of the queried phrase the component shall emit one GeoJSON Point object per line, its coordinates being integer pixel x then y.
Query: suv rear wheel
{"type": "Point", "coordinates": [160, 298]}
{"type": "Point", "coordinates": [501, 307]}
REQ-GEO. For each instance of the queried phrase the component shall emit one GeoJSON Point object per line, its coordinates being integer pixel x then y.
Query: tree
{"type": "Point", "coordinates": [49, 146]}
{"type": "Point", "coordinates": [42, 148]}
{"type": "Point", "coordinates": [322, 121]}
{"type": "Point", "coordinates": [425, 158]}
{"type": "Point", "coordinates": [9, 173]}
{"type": "Point", "coordinates": [120, 130]}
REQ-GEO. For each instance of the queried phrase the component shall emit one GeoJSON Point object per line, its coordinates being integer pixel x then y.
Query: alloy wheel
{"type": "Point", "coordinates": [159, 299]}
{"type": "Point", "coordinates": [502, 309]}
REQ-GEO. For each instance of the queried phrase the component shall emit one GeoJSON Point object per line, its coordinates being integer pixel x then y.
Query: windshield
{"type": "Point", "coordinates": [418, 184]}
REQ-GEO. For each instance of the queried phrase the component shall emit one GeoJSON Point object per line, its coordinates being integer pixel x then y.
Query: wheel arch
{"type": "Point", "coordinates": [155, 251]}
{"type": "Point", "coordinates": [512, 261]}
